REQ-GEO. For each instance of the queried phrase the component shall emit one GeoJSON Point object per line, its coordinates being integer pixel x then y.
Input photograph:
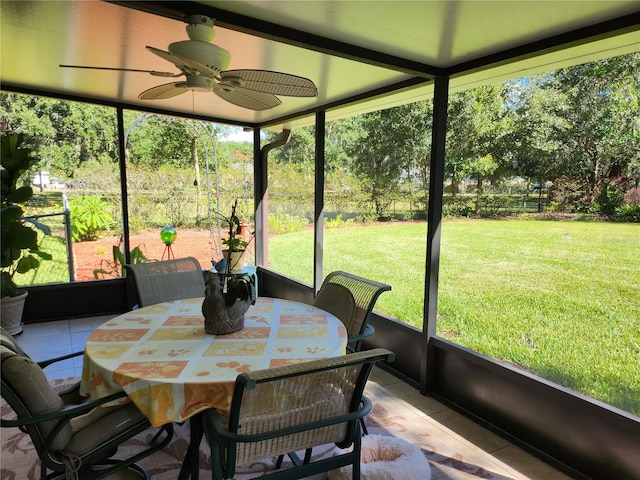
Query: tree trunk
{"type": "Point", "coordinates": [197, 182]}
{"type": "Point", "coordinates": [540, 196]}
{"type": "Point", "coordinates": [479, 191]}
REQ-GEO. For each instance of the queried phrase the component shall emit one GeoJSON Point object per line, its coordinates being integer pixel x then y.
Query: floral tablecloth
{"type": "Point", "coordinates": [171, 369]}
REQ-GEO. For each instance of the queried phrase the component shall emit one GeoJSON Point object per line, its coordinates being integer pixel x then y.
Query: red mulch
{"type": "Point", "coordinates": [189, 243]}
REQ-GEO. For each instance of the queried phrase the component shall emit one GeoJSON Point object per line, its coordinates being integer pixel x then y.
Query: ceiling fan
{"type": "Point", "coordinates": [204, 64]}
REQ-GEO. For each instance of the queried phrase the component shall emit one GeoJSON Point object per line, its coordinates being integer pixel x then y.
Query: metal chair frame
{"type": "Point", "coordinates": [272, 416]}
{"type": "Point", "coordinates": [96, 464]}
{"type": "Point", "coordinates": [365, 294]}
{"type": "Point", "coordinates": [166, 280]}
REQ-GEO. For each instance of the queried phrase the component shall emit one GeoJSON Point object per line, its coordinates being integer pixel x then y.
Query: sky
{"type": "Point", "coordinates": [239, 135]}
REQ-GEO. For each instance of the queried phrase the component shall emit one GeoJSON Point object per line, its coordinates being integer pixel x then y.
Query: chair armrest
{"type": "Point", "coordinates": [65, 414]}
{"type": "Point", "coordinates": [213, 420]}
{"type": "Point", "coordinates": [368, 331]}
{"type": "Point", "coordinates": [46, 363]}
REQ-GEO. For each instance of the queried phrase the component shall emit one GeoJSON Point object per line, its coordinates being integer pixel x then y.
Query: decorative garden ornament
{"type": "Point", "coordinates": [228, 296]}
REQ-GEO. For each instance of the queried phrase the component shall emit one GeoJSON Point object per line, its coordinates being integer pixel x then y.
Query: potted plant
{"type": "Point", "coordinates": [19, 236]}
{"type": "Point", "coordinates": [115, 268]}
{"type": "Point", "coordinates": [228, 291]}
{"type": "Point", "coordinates": [236, 245]}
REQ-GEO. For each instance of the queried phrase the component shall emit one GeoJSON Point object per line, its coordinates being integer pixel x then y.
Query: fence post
{"type": "Point", "coordinates": [67, 228]}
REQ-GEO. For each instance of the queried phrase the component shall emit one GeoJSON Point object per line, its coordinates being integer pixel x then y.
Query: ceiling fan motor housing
{"type": "Point", "coordinates": [200, 28]}
{"type": "Point", "coordinates": [199, 83]}
{"type": "Point", "coordinates": [212, 56]}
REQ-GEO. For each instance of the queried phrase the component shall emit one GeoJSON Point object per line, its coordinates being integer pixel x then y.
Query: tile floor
{"type": "Point", "coordinates": [461, 449]}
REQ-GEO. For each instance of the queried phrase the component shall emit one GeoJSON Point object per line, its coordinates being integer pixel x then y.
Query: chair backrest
{"type": "Point", "coordinates": [300, 406]}
{"type": "Point", "coordinates": [27, 391]}
{"type": "Point", "coordinates": [365, 293]}
{"type": "Point", "coordinates": [338, 301]}
{"type": "Point", "coordinates": [167, 280]}
{"type": "Point", "coordinates": [70, 439]}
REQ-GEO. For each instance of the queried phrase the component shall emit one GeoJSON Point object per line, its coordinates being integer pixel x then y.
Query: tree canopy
{"type": "Point", "coordinates": [576, 129]}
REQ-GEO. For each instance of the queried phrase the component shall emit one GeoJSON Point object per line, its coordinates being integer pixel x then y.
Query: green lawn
{"type": "Point", "coordinates": [55, 270]}
{"type": "Point", "coordinates": [561, 299]}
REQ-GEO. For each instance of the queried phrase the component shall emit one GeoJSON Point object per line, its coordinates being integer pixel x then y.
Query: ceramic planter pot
{"type": "Point", "coordinates": [12, 308]}
{"type": "Point", "coordinates": [237, 260]}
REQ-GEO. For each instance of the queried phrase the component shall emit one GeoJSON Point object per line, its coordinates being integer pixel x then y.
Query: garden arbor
{"type": "Point", "coordinates": [208, 141]}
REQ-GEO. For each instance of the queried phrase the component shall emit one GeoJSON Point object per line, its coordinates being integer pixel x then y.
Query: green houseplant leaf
{"type": "Point", "coordinates": [20, 252]}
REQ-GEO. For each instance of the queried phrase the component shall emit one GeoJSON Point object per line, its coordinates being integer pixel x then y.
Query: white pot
{"type": "Point", "coordinates": [237, 260]}
{"type": "Point", "coordinates": [12, 308]}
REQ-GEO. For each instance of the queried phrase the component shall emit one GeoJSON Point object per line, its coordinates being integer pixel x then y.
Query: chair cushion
{"type": "Point", "coordinates": [101, 424]}
{"type": "Point", "coordinates": [32, 387]}
{"type": "Point", "coordinates": [7, 340]}
{"type": "Point", "coordinates": [338, 300]}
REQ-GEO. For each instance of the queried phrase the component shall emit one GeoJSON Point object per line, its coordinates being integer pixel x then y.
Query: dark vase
{"type": "Point", "coordinates": [224, 306]}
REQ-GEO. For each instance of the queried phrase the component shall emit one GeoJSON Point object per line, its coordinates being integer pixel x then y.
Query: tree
{"type": "Point", "coordinates": [385, 152]}
{"type": "Point", "coordinates": [602, 100]}
{"type": "Point", "coordinates": [62, 133]}
{"type": "Point", "coordinates": [537, 124]}
{"type": "Point", "coordinates": [480, 168]}
{"type": "Point", "coordinates": [477, 126]}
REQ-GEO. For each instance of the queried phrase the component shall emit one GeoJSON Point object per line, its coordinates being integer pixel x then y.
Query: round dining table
{"type": "Point", "coordinates": [161, 356]}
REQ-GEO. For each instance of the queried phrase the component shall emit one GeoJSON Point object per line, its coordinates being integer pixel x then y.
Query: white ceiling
{"type": "Point", "coordinates": [379, 44]}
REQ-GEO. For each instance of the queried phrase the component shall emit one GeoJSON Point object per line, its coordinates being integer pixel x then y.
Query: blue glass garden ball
{"type": "Point", "coordinates": [168, 235]}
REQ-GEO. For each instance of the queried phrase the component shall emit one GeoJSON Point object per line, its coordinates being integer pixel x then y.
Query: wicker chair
{"type": "Point", "coordinates": [291, 408]}
{"type": "Point", "coordinates": [353, 311]}
{"type": "Point", "coordinates": [74, 437]}
{"type": "Point", "coordinates": [167, 280]}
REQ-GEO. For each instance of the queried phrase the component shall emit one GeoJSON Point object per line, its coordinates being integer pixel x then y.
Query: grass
{"type": "Point", "coordinates": [560, 299]}
{"type": "Point", "coordinates": [55, 270]}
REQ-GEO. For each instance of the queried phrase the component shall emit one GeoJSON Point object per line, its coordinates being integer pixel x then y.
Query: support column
{"type": "Point", "coordinates": [318, 225]}
{"type": "Point", "coordinates": [434, 219]}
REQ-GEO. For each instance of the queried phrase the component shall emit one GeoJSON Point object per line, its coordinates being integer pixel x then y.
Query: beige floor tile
{"type": "Point", "coordinates": [88, 324]}
{"type": "Point", "coordinates": [474, 433]}
{"type": "Point", "coordinates": [382, 377]}
{"type": "Point", "coordinates": [528, 465]}
{"type": "Point", "coordinates": [457, 448]}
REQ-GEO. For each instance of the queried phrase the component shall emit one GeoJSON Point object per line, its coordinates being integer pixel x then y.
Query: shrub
{"type": "Point", "coordinates": [490, 205]}
{"type": "Point", "coordinates": [583, 206]}
{"type": "Point", "coordinates": [338, 222]}
{"type": "Point", "coordinates": [632, 197]}
{"type": "Point", "coordinates": [458, 207]}
{"type": "Point", "coordinates": [90, 215]}
{"type": "Point", "coordinates": [610, 199]}
{"type": "Point", "coordinates": [628, 213]}
{"type": "Point", "coordinates": [115, 267]}
{"type": "Point", "coordinates": [284, 223]}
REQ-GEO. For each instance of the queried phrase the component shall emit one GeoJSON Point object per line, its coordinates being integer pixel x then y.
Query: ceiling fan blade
{"type": "Point", "coordinates": [166, 90]}
{"type": "Point", "coordinates": [276, 83]}
{"type": "Point", "coordinates": [184, 64]}
{"type": "Point", "coordinates": [152, 72]}
{"type": "Point", "coordinates": [246, 98]}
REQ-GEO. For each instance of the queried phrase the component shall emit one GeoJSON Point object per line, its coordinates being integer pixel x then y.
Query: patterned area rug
{"type": "Point", "coordinates": [20, 462]}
